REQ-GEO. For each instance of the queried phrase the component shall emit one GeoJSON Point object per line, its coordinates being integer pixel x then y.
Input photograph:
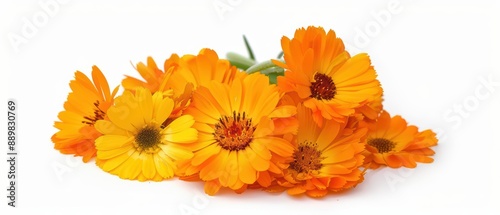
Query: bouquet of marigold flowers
{"type": "Point", "coordinates": [309, 122]}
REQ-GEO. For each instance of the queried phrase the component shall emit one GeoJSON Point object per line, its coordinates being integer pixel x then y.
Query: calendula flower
{"type": "Point", "coordinates": [137, 143]}
{"type": "Point", "coordinates": [87, 103]}
{"type": "Point", "coordinates": [152, 75]}
{"type": "Point", "coordinates": [324, 76]}
{"type": "Point", "coordinates": [194, 71]}
{"type": "Point", "coordinates": [394, 143]}
{"type": "Point", "coordinates": [236, 140]}
{"type": "Point", "coordinates": [325, 159]}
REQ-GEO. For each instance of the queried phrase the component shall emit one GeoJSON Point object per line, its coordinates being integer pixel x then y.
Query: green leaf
{"type": "Point", "coordinates": [239, 61]}
{"type": "Point", "coordinates": [260, 66]}
{"type": "Point", "coordinates": [280, 55]}
{"type": "Point", "coordinates": [273, 77]}
{"type": "Point", "coordinates": [249, 49]}
{"type": "Point", "coordinates": [272, 70]}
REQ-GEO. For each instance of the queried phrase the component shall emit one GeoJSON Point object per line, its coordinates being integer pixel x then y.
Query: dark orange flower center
{"type": "Point", "coordinates": [382, 145]}
{"type": "Point", "coordinates": [306, 158]}
{"type": "Point", "coordinates": [98, 115]}
{"type": "Point", "coordinates": [235, 132]}
{"type": "Point", "coordinates": [148, 137]}
{"type": "Point", "coordinates": [323, 87]}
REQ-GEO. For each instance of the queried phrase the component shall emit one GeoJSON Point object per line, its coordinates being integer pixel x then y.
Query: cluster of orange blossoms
{"type": "Point", "coordinates": [202, 119]}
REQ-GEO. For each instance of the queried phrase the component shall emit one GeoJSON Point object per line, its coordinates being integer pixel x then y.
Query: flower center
{"type": "Point", "coordinates": [148, 137]}
{"type": "Point", "coordinates": [323, 87]}
{"type": "Point", "coordinates": [98, 115]}
{"type": "Point", "coordinates": [306, 158]}
{"type": "Point", "coordinates": [382, 145]}
{"type": "Point", "coordinates": [234, 133]}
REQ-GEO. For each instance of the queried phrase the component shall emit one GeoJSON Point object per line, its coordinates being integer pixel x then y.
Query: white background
{"type": "Point", "coordinates": [430, 57]}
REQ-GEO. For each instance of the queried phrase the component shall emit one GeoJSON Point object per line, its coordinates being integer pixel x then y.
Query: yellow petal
{"type": "Point", "coordinates": [283, 111]}
{"type": "Point", "coordinates": [180, 124]}
{"type": "Point", "coordinates": [278, 146]}
{"type": "Point", "coordinates": [212, 187]}
{"type": "Point", "coordinates": [176, 152]}
{"type": "Point", "coordinates": [108, 142]}
{"type": "Point", "coordinates": [247, 173]}
{"type": "Point", "coordinates": [108, 165]}
{"type": "Point", "coordinates": [162, 107]}
{"type": "Point", "coordinates": [215, 167]}
{"type": "Point", "coordinates": [259, 148]}
{"type": "Point", "coordinates": [256, 161]}
{"type": "Point", "coordinates": [205, 154]}
{"type": "Point", "coordinates": [108, 154]}
{"type": "Point", "coordinates": [145, 104]}
{"type": "Point", "coordinates": [148, 166]}
{"type": "Point", "coordinates": [229, 176]}
{"type": "Point", "coordinates": [187, 135]}
{"type": "Point", "coordinates": [221, 95]}
{"type": "Point", "coordinates": [163, 166]}
{"type": "Point", "coordinates": [132, 166]}
{"type": "Point", "coordinates": [235, 96]}
{"type": "Point", "coordinates": [107, 127]}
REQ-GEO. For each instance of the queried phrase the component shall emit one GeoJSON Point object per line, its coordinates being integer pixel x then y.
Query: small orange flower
{"type": "Point", "coordinates": [326, 79]}
{"type": "Point", "coordinates": [87, 103]}
{"type": "Point", "coordinates": [391, 142]}
{"type": "Point", "coordinates": [325, 159]}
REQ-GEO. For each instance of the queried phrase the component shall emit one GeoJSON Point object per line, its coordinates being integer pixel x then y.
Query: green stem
{"type": "Point", "coordinates": [249, 49]}
{"type": "Point", "coordinates": [239, 61]}
{"type": "Point", "coordinates": [261, 66]}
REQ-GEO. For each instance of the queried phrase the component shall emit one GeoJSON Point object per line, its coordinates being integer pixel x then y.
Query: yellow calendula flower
{"type": "Point", "coordinates": [87, 103]}
{"type": "Point", "coordinates": [138, 142]}
{"type": "Point", "coordinates": [325, 159]}
{"type": "Point", "coordinates": [326, 78]}
{"type": "Point", "coordinates": [392, 142]}
{"type": "Point", "coordinates": [236, 141]}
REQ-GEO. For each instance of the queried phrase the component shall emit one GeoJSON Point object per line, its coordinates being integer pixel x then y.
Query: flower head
{"type": "Point", "coordinates": [86, 104]}
{"type": "Point", "coordinates": [394, 143]}
{"type": "Point", "coordinates": [325, 78]}
{"type": "Point", "coordinates": [137, 143]}
{"type": "Point", "coordinates": [236, 137]}
{"type": "Point", "coordinates": [325, 159]}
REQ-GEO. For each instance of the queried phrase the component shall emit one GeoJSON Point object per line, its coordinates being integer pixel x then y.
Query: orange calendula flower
{"type": "Point", "coordinates": [325, 159]}
{"type": "Point", "coordinates": [236, 133]}
{"type": "Point", "coordinates": [326, 79]}
{"type": "Point", "coordinates": [391, 142]}
{"type": "Point", "coordinates": [137, 144]}
{"type": "Point", "coordinates": [87, 103]}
